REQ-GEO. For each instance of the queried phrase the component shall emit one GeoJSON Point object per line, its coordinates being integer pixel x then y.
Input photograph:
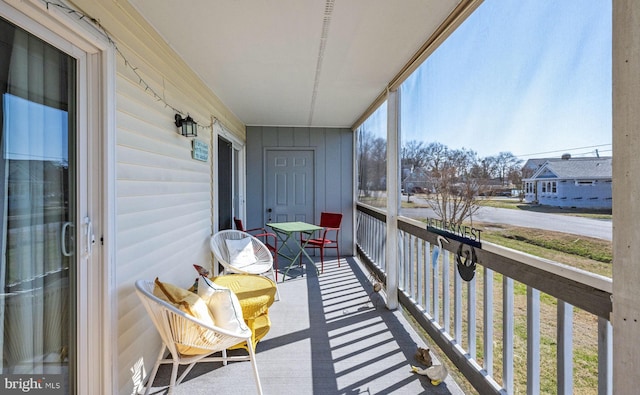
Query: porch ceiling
{"type": "Point", "coordinates": [296, 62]}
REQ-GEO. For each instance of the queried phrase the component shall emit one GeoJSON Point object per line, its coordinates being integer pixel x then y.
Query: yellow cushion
{"type": "Point", "coordinates": [192, 304]}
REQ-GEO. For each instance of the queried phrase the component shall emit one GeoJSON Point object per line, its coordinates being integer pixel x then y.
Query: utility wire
{"type": "Point", "coordinates": [566, 149]}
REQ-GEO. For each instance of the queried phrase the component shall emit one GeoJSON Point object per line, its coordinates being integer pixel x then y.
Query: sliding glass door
{"type": "Point", "coordinates": [37, 205]}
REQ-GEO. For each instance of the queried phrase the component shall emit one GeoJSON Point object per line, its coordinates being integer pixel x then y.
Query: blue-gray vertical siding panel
{"type": "Point", "coordinates": [302, 137]}
{"type": "Point", "coordinates": [323, 179]}
{"type": "Point", "coordinates": [255, 183]}
{"type": "Point", "coordinates": [333, 171]}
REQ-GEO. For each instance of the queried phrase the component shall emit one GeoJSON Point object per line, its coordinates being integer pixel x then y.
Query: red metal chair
{"type": "Point", "coordinates": [264, 236]}
{"type": "Point", "coordinates": [331, 223]}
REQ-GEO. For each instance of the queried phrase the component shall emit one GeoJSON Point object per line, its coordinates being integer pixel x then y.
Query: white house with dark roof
{"type": "Point", "coordinates": [575, 182]}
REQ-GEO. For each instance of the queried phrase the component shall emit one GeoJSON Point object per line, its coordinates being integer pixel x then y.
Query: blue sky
{"type": "Point", "coordinates": [529, 77]}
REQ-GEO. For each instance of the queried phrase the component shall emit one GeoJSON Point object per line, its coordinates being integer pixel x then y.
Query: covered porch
{"type": "Point", "coordinates": [262, 81]}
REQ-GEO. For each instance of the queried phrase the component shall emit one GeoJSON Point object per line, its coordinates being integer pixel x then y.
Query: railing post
{"type": "Point", "coordinates": [393, 196]}
{"type": "Point", "coordinates": [626, 212]}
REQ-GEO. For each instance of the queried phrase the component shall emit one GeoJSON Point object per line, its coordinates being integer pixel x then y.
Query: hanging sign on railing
{"type": "Point", "coordinates": [467, 236]}
{"type": "Point", "coordinates": [463, 234]}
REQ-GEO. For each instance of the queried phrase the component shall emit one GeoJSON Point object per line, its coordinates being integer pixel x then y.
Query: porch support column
{"type": "Point", "coordinates": [626, 189]}
{"type": "Point", "coordinates": [393, 196]}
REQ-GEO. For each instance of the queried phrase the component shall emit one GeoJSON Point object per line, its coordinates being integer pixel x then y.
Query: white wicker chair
{"type": "Point", "coordinates": [264, 261]}
{"type": "Point", "coordinates": [177, 328]}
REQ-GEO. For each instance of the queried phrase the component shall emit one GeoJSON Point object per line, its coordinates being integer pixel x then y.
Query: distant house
{"type": "Point", "coordinates": [570, 182]}
{"type": "Point", "coordinates": [533, 165]}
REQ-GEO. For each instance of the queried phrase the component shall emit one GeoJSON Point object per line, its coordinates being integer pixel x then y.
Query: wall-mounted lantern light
{"type": "Point", "coordinates": [186, 126]}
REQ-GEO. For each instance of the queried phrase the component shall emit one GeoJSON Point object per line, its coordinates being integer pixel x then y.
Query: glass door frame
{"type": "Point", "coordinates": [238, 176]}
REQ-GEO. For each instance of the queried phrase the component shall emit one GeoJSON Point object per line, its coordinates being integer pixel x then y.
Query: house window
{"type": "Point", "coordinates": [544, 187]}
{"type": "Point", "coordinates": [554, 187]}
{"type": "Point", "coordinates": [581, 182]}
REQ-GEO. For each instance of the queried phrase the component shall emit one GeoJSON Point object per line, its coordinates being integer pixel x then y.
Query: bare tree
{"type": "Point", "coordinates": [456, 189]}
{"type": "Point", "coordinates": [436, 155]}
{"type": "Point", "coordinates": [505, 162]}
{"type": "Point", "coordinates": [414, 155]}
{"type": "Point", "coordinates": [372, 163]}
{"type": "Point", "coordinates": [413, 160]}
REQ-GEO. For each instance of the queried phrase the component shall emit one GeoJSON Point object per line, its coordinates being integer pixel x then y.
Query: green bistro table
{"type": "Point", "coordinates": [285, 230]}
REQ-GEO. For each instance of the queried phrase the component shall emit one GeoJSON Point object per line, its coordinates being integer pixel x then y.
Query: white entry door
{"type": "Point", "coordinates": [289, 194]}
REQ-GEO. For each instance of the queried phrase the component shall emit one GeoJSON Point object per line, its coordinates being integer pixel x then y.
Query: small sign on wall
{"type": "Point", "coordinates": [200, 150]}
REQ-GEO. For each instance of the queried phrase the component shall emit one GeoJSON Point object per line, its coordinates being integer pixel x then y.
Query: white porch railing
{"type": "Point", "coordinates": [445, 305]}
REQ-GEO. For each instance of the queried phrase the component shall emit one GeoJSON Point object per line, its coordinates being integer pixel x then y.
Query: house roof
{"type": "Point", "coordinates": [298, 63]}
{"type": "Point", "coordinates": [579, 168]}
{"type": "Point", "coordinates": [536, 163]}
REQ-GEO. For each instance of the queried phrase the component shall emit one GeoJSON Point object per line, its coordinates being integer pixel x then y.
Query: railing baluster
{"type": "Point", "coordinates": [420, 272]}
{"type": "Point", "coordinates": [457, 310]}
{"type": "Point", "coordinates": [507, 334]}
{"type": "Point", "coordinates": [403, 267]}
{"type": "Point", "coordinates": [375, 227]}
{"type": "Point", "coordinates": [446, 303]}
{"type": "Point", "coordinates": [436, 287]}
{"type": "Point", "coordinates": [533, 341]}
{"type": "Point", "coordinates": [605, 357]}
{"type": "Point", "coordinates": [410, 260]}
{"type": "Point", "coordinates": [565, 348]}
{"type": "Point", "coordinates": [488, 321]}
{"type": "Point", "coordinates": [371, 233]}
{"type": "Point", "coordinates": [412, 266]}
{"type": "Point", "coordinates": [471, 308]}
{"type": "Point", "coordinates": [382, 247]}
{"type": "Point", "coordinates": [428, 278]}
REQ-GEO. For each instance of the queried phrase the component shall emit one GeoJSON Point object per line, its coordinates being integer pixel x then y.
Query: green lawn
{"type": "Point", "coordinates": [516, 204]}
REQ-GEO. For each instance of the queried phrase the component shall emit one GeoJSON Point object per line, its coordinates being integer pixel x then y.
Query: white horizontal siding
{"type": "Point", "coordinates": [163, 217]}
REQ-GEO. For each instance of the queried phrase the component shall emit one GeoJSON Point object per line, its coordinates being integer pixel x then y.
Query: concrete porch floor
{"type": "Point", "coordinates": [329, 335]}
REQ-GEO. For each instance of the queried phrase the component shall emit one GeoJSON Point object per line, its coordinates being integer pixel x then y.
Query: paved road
{"type": "Point", "coordinates": [601, 229]}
